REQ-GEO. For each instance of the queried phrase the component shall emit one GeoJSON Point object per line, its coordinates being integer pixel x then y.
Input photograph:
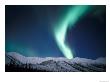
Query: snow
{"type": "Point", "coordinates": [58, 64]}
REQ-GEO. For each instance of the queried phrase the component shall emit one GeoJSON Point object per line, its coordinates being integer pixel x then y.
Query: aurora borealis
{"type": "Point", "coordinates": [56, 31]}
{"type": "Point", "coordinates": [70, 18]}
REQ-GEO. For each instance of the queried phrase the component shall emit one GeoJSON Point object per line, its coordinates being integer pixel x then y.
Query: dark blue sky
{"type": "Point", "coordinates": [29, 31]}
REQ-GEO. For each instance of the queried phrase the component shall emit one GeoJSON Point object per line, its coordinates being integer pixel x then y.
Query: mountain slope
{"type": "Point", "coordinates": [16, 62]}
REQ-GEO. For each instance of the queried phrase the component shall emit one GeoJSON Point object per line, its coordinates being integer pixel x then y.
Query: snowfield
{"type": "Point", "coordinates": [52, 64]}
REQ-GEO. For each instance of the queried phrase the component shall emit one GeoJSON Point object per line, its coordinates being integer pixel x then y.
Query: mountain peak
{"type": "Point", "coordinates": [58, 64]}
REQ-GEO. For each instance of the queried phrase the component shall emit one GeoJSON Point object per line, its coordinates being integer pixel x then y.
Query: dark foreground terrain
{"type": "Point", "coordinates": [15, 62]}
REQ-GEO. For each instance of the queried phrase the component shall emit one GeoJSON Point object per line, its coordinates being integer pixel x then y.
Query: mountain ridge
{"type": "Point", "coordinates": [60, 64]}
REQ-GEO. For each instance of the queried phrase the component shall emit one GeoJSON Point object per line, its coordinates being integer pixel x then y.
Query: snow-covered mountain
{"type": "Point", "coordinates": [53, 64]}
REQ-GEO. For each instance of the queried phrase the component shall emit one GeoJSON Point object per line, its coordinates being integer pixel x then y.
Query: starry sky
{"type": "Point", "coordinates": [56, 30]}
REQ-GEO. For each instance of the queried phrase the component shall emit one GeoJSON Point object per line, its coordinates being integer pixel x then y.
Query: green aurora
{"type": "Point", "coordinates": [70, 18]}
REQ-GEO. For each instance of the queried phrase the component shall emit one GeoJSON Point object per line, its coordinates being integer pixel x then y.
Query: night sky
{"type": "Point", "coordinates": [56, 31]}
